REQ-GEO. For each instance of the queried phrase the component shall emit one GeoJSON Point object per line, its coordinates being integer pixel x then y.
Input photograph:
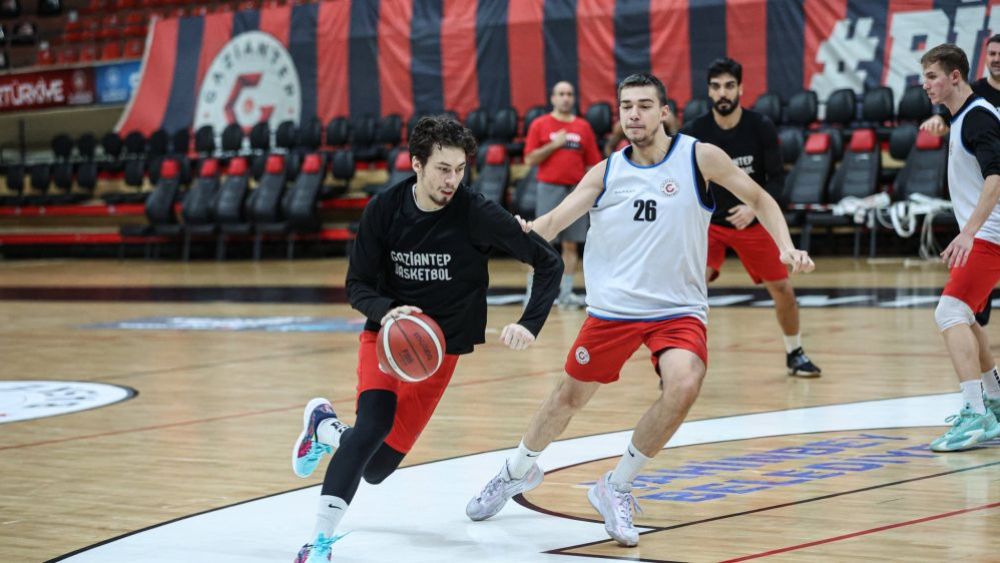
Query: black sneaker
{"type": "Point", "coordinates": [800, 365]}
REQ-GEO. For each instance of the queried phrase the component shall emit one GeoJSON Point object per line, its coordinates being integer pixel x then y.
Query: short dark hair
{"type": "Point", "coordinates": [725, 65]}
{"type": "Point", "coordinates": [440, 131]}
{"type": "Point", "coordinates": [949, 57]}
{"type": "Point", "coordinates": [643, 79]}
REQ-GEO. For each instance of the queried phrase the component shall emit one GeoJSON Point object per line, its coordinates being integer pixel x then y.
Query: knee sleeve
{"type": "Point", "coordinates": [952, 312]}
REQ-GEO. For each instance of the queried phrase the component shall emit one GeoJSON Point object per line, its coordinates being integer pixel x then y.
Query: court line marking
{"type": "Point", "coordinates": [863, 532]}
{"type": "Point", "coordinates": [426, 522]}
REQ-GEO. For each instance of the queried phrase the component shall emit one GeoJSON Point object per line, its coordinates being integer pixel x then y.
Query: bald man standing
{"type": "Point", "coordinates": [563, 147]}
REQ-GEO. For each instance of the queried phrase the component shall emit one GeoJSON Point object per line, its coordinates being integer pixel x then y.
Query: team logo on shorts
{"type": "Point", "coordinates": [669, 187]}
{"type": "Point", "coordinates": [582, 356]}
{"type": "Point", "coordinates": [252, 79]}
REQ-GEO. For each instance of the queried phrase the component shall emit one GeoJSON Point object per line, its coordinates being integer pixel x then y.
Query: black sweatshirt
{"type": "Point", "coordinates": [437, 261]}
{"type": "Point", "coordinates": [753, 146]}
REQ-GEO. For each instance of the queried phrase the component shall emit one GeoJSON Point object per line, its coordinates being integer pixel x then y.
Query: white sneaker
{"type": "Point", "coordinates": [616, 508]}
{"type": "Point", "coordinates": [496, 493]}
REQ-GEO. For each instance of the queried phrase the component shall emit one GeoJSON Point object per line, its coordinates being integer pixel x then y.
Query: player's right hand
{"type": "Point", "coordinates": [516, 337]}
{"type": "Point", "coordinates": [401, 310]}
{"type": "Point", "coordinates": [799, 260]}
{"type": "Point", "coordinates": [559, 139]}
{"type": "Point", "coordinates": [935, 125]}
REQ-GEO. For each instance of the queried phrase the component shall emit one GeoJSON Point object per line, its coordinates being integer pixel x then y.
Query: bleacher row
{"type": "Point", "coordinates": [68, 32]}
{"type": "Point", "coordinates": [829, 158]}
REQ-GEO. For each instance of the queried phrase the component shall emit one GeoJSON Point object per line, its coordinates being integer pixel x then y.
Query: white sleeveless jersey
{"type": "Point", "coordinates": [648, 241]}
{"type": "Point", "coordinates": [965, 178]}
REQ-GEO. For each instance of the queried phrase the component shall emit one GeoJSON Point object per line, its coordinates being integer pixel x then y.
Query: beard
{"type": "Point", "coordinates": [729, 107]}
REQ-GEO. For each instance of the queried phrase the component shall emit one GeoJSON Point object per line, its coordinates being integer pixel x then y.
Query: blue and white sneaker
{"type": "Point", "coordinates": [968, 428]}
{"type": "Point", "coordinates": [318, 551]}
{"type": "Point", "coordinates": [308, 450]}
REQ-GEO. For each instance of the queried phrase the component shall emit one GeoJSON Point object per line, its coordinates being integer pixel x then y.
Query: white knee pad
{"type": "Point", "coordinates": [951, 312]}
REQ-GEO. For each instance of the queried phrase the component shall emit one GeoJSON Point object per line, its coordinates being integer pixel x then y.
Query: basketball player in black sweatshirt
{"type": "Point", "coordinates": [422, 246]}
{"type": "Point", "coordinates": [751, 140]}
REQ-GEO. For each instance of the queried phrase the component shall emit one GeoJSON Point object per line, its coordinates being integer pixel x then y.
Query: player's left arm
{"type": "Point", "coordinates": [981, 134]}
{"type": "Point", "coordinates": [495, 227]}
{"type": "Point", "coordinates": [717, 167]}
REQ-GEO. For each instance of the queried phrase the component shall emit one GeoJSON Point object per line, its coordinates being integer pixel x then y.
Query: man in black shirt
{"type": "Point", "coordinates": [422, 246]}
{"type": "Point", "coordinates": [751, 140]}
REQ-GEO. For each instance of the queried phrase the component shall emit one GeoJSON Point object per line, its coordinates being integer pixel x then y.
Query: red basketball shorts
{"type": "Point", "coordinates": [415, 402]}
{"type": "Point", "coordinates": [754, 247]}
{"type": "Point", "coordinates": [973, 283]}
{"type": "Point", "coordinates": [603, 347]}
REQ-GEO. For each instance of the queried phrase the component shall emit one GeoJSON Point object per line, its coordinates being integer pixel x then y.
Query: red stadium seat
{"type": "Point", "coordinates": [67, 55]}
{"type": "Point", "coordinates": [88, 53]}
{"type": "Point", "coordinates": [71, 33]}
{"type": "Point", "coordinates": [94, 7]}
{"type": "Point", "coordinates": [134, 48]}
{"type": "Point", "coordinates": [44, 56]}
{"type": "Point", "coordinates": [110, 28]}
{"type": "Point", "coordinates": [110, 51]}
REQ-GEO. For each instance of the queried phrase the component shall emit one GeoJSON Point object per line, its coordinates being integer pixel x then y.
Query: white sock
{"type": "Point", "coordinates": [330, 430]}
{"type": "Point", "coordinates": [628, 467]}
{"type": "Point", "coordinates": [792, 342]}
{"type": "Point", "coordinates": [972, 395]}
{"type": "Point", "coordinates": [991, 383]}
{"type": "Point", "coordinates": [566, 285]}
{"type": "Point", "coordinates": [519, 462]}
{"type": "Point", "coordinates": [331, 510]}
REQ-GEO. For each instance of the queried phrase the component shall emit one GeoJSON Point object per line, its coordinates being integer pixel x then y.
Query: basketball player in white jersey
{"type": "Point", "coordinates": [974, 255]}
{"type": "Point", "coordinates": [645, 260]}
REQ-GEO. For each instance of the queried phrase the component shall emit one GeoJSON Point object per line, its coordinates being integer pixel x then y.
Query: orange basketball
{"type": "Point", "coordinates": [410, 347]}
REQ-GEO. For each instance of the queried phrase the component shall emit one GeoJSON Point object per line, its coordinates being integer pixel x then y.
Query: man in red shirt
{"type": "Point", "coordinates": [563, 147]}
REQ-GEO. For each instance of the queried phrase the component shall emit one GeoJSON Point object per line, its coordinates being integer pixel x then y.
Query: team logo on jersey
{"type": "Point", "coordinates": [252, 79]}
{"type": "Point", "coordinates": [582, 356]}
{"type": "Point", "coordinates": [669, 187]}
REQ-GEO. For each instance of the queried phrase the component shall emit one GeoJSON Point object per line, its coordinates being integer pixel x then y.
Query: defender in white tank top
{"type": "Point", "coordinates": [645, 268]}
{"type": "Point", "coordinates": [647, 261]}
{"type": "Point", "coordinates": [965, 178]}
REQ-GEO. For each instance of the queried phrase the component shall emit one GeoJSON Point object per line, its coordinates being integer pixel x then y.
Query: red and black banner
{"type": "Point", "coordinates": [380, 57]}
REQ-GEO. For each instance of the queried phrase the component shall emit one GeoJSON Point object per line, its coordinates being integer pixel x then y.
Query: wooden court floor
{"type": "Point", "coordinates": [216, 411]}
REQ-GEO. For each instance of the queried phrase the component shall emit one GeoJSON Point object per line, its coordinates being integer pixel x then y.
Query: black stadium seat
{"type": "Point", "coordinates": [806, 184]}
{"type": "Point", "coordinates": [841, 109]}
{"type": "Point", "coordinates": [494, 176]}
{"type": "Point", "coordinates": [478, 121]}
{"type": "Point", "coordinates": [769, 105]}
{"type": "Point", "coordinates": [198, 203]}
{"type": "Point", "coordinates": [914, 105]}
{"type": "Point", "coordinates": [857, 176]}
{"type": "Point", "coordinates": [925, 168]}
{"type": "Point", "coordinates": [229, 205]}
{"type": "Point", "coordinates": [695, 108]}
{"type": "Point", "coordinates": [503, 127]}
{"type": "Point", "coordinates": [338, 132]}
{"type": "Point", "coordinates": [599, 118]}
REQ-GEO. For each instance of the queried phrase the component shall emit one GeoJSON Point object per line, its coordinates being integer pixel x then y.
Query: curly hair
{"type": "Point", "coordinates": [440, 131]}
